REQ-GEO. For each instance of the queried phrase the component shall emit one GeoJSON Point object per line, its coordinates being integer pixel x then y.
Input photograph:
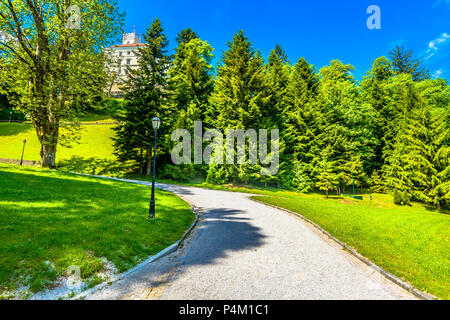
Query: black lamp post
{"type": "Point", "coordinates": [156, 122]}
{"type": "Point", "coordinates": [23, 150]}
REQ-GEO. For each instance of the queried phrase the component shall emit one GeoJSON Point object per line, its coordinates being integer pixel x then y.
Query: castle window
{"type": "Point", "coordinates": [128, 61]}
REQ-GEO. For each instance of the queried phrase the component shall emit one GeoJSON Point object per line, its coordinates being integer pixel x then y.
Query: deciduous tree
{"type": "Point", "coordinates": [52, 62]}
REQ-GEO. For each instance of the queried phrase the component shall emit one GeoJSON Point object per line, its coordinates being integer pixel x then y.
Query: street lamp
{"type": "Point", "coordinates": [23, 150]}
{"type": "Point", "coordinates": [156, 122]}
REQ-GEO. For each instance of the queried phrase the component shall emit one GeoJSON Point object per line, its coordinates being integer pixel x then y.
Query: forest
{"type": "Point", "coordinates": [389, 132]}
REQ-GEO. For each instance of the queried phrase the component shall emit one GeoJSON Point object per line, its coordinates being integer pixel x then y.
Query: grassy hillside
{"type": "Point", "coordinates": [95, 142]}
{"type": "Point", "coordinates": [50, 221]}
{"type": "Point", "coordinates": [92, 154]}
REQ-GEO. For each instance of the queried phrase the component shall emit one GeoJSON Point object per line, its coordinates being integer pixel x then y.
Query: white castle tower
{"type": "Point", "coordinates": [123, 57]}
{"type": "Point", "coordinates": [131, 38]}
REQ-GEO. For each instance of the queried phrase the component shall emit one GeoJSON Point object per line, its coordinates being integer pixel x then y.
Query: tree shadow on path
{"type": "Point", "coordinates": [221, 231]}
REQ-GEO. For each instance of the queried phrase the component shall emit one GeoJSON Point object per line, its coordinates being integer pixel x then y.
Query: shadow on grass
{"type": "Point", "coordinates": [12, 129]}
{"type": "Point", "coordinates": [95, 166]}
{"type": "Point", "coordinates": [72, 220]}
{"type": "Point", "coordinates": [62, 218]}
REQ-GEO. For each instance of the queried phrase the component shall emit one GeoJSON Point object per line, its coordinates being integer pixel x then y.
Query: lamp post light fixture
{"type": "Point", "coordinates": [156, 122]}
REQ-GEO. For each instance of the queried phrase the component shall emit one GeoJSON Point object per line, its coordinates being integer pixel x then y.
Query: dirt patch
{"type": "Point", "coordinates": [346, 201]}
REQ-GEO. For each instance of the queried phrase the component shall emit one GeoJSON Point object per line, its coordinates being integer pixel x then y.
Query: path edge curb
{"type": "Point", "coordinates": [170, 249]}
{"type": "Point", "coordinates": [416, 292]}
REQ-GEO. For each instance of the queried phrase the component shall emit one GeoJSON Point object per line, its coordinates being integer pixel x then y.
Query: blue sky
{"type": "Point", "coordinates": [319, 30]}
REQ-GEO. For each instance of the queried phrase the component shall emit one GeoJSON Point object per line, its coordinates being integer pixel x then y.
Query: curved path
{"type": "Point", "coordinates": [242, 249]}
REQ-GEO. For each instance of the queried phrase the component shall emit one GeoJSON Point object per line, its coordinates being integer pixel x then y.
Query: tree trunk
{"type": "Point", "coordinates": [327, 193]}
{"type": "Point", "coordinates": [149, 163]}
{"type": "Point", "coordinates": [141, 164]}
{"type": "Point", "coordinates": [48, 137]}
{"type": "Point", "coordinates": [48, 156]}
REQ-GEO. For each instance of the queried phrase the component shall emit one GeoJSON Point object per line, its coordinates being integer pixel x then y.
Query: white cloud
{"type": "Point", "coordinates": [434, 45]}
{"type": "Point", "coordinates": [438, 73]}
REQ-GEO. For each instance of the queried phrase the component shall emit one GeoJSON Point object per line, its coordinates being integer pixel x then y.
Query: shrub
{"type": "Point", "coordinates": [184, 172]}
{"type": "Point", "coordinates": [402, 198]}
{"type": "Point", "coordinates": [398, 197]}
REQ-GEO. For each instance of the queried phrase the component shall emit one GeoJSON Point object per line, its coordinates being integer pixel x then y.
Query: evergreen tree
{"type": "Point", "coordinates": [277, 80]}
{"type": "Point", "coordinates": [299, 112]}
{"type": "Point", "coordinates": [240, 92]}
{"type": "Point", "coordinates": [375, 91]}
{"type": "Point", "coordinates": [239, 99]}
{"type": "Point", "coordinates": [346, 124]}
{"type": "Point", "coordinates": [325, 176]}
{"type": "Point", "coordinates": [352, 171]}
{"type": "Point", "coordinates": [403, 99]}
{"type": "Point", "coordinates": [299, 129]}
{"type": "Point", "coordinates": [420, 165]}
{"type": "Point", "coordinates": [403, 62]}
{"type": "Point", "coordinates": [186, 35]}
{"type": "Point", "coordinates": [301, 181]}
{"type": "Point", "coordinates": [147, 95]}
{"type": "Point", "coordinates": [192, 82]}
{"type": "Point", "coordinates": [191, 78]}
{"type": "Point", "coordinates": [376, 183]}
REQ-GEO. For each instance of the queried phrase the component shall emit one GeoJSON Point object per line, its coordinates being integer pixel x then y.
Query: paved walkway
{"type": "Point", "coordinates": [245, 250]}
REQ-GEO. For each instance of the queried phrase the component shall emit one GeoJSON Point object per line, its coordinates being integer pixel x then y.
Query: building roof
{"type": "Point", "coordinates": [128, 45]}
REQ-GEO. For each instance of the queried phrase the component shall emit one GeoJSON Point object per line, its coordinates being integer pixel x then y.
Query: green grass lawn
{"type": "Point", "coordinates": [412, 243]}
{"type": "Point", "coordinates": [51, 220]}
{"type": "Point", "coordinates": [95, 143]}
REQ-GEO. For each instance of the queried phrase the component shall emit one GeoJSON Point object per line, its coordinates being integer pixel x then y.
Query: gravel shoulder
{"type": "Point", "coordinates": [245, 250]}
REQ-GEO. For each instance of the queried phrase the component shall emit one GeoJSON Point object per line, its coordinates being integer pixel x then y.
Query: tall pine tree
{"type": "Point", "coordinates": [191, 78]}
{"type": "Point", "coordinates": [299, 128]}
{"type": "Point", "coordinates": [375, 91]}
{"type": "Point", "coordinates": [345, 123]}
{"type": "Point", "coordinates": [420, 164]}
{"type": "Point", "coordinates": [147, 95]}
{"type": "Point", "coordinates": [240, 92]}
{"type": "Point", "coordinates": [403, 62]}
{"type": "Point", "coordinates": [238, 101]}
{"type": "Point", "coordinates": [277, 77]}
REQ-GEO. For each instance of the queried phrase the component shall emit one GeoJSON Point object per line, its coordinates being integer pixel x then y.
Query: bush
{"type": "Point", "coordinates": [183, 172]}
{"type": "Point", "coordinates": [402, 198]}
{"type": "Point", "coordinates": [114, 107]}
{"type": "Point", "coordinates": [218, 174]}
{"type": "Point", "coordinates": [406, 198]}
{"type": "Point", "coordinates": [376, 183]}
{"type": "Point", "coordinates": [15, 115]}
{"type": "Point", "coordinates": [398, 197]}
{"type": "Point", "coordinates": [300, 181]}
